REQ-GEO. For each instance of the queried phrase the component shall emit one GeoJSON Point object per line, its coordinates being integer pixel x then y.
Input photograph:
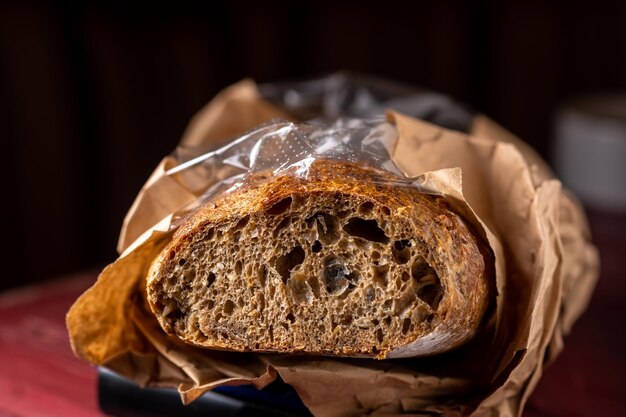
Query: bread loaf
{"type": "Point", "coordinates": [346, 260]}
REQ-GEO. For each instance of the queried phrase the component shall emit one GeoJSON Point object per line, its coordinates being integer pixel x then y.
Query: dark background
{"type": "Point", "coordinates": [93, 96]}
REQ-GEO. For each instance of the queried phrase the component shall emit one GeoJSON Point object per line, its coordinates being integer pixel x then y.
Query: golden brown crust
{"type": "Point", "coordinates": [442, 248]}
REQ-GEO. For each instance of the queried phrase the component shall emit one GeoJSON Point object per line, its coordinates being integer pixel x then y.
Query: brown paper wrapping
{"type": "Point", "coordinates": [546, 269]}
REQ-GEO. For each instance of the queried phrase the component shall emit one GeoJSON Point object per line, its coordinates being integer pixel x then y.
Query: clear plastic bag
{"type": "Point", "coordinates": [351, 95]}
{"type": "Point", "coordinates": [345, 121]}
{"type": "Point", "coordinates": [282, 147]}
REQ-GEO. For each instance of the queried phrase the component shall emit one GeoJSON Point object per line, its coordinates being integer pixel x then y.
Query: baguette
{"type": "Point", "coordinates": [346, 261]}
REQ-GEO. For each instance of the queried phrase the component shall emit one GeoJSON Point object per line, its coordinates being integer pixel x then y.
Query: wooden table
{"type": "Point", "coordinates": [39, 376]}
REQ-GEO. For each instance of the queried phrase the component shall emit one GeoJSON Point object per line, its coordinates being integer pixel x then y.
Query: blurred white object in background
{"type": "Point", "coordinates": [589, 153]}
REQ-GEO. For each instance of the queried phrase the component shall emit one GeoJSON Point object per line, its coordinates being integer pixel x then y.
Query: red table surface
{"type": "Point", "coordinates": [39, 375]}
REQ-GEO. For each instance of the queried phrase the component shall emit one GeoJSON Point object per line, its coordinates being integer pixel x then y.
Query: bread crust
{"type": "Point", "coordinates": [450, 256]}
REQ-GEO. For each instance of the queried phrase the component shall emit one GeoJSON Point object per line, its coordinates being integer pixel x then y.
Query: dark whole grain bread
{"type": "Point", "coordinates": [346, 261]}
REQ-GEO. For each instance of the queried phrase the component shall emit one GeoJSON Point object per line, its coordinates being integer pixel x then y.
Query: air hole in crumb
{"type": "Point", "coordinates": [402, 303]}
{"type": "Point", "coordinates": [285, 325]}
{"type": "Point", "coordinates": [370, 294]}
{"type": "Point", "coordinates": [346, 320]}
{"type": "Point", "coordinates": [343, 214]}
{"type": "Point", "coordinates": [174, 315]}
{"type": "Point", "coordinates": [405, 276]}
{"type": "Point", "coordinates": [386, 210]}
{"type": "Point", "coordinates": [352, 278]}
{"type": "Point", "coordinates": [182, 261]}
{"type": "Point", "coordinates": [210, 279]}
{"type": "Point", "coordinates": [262, 275]}
{"type": "Point", "coordinates": [280, 207]}
{"type": "Point", "coordinates": [431, 294]}
{"type": "Point", "coordinates": [419, 268]}
{"type": "Point", "coordinates": [291, 318]}
{"type": "Point", "coordinates": [375, 322]}
{"type": "Point", "coordinates": [375, 255]}
{"type": "Point", "coordinates": [172, 254]}
{"type": "Point", "coordinates": [282, 225]}
{"type": "Point", "coordinates": [299, 289]}
{"type": "Point", "coordinates": [379, 335]}
{"type": "Point", "coordinates": [366, 229]}
{"type": "Point", "coordinates": [429, 286]}
{"type": "Point", "coordinates": [271, 291]}
{"type": "Point", "coordinates": [322, 328]}
{"type": "Point", "coordinates": [240, 302]}
{"type": "Point", "coordinates": [381, 275]}
{"type": "Point", "coordinates": [284, 264]}
{"type": "Point", "coordinates": [242, 222]}
{"type": "Point", "coordinates": [406, 325]}
{"type": "Point", "coordinates": [210, 304]}
{"type": "Point", "coordinates": [387, 321]}
{"type": "Point", "coordinates": [430, 317]}
{"type": "Point", "coordinates": [375, 350]}
{"type": "Point", "coordinates": [238, 267]}
{"type": "Point", "coordinates": [366, 208]}
{"type": "Point", "coordinates": [229, 306]}
{"type": "Point", "coordinates": [315, 285]}
{"type": "Point", "coordinates": [337, 276]}
{"type": "Point", "coordinates": [327, 228]}
{"type": "Point", "coordinates": [401, 244]}
{"type": "Point", "coordinates": [210, 233]}
{"type": "Point", "coordinates": [387, 304]}
{"type": "Point", "coordinates": [317, 246]}
{"type": "Point", "coordinates": [401, 251]}
{"type": "Point", "coordinates": [333, 325]}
